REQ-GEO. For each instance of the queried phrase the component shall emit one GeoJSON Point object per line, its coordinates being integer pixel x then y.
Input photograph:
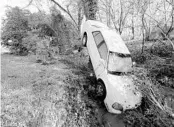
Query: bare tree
{"type": "Point", "coordinates": [165, 25]}
{"type": "Point", "coordinates": [116, 12]}
{"type": "Point", "coordinates": [142, 6]}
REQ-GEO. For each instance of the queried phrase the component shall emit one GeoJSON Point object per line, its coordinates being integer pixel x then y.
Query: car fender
{"type": "Point", "coordinates": [103, 78]}
{"type": "Point", "coordinates": [109, 99]}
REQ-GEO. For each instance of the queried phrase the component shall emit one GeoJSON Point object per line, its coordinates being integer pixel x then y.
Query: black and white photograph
{"type": "Point", "coordinates": [87, 63]}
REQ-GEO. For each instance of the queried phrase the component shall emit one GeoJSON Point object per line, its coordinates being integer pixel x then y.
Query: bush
{"type": "Point", "coordinates": [162, 49]}
{"type": "Point", "coordinates": [14, 28]}
{"type": "Point", "coordinates": [30, 42]}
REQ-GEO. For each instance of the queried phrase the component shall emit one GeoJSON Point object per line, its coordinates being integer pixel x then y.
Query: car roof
{"type": "Point", "coordinates": [97, 24]}
{"type": "Point", "coordinates": [113, 40]}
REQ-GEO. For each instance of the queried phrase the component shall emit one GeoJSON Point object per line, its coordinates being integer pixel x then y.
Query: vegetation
{"type": "Point", "coordinates": [15, 29]}
{"type": "Point", "coordinates": [63, 93]}
{"type": "Point", "coordinates": [21, 30]}
{"type": "Point", "coordinates": [154, 76]}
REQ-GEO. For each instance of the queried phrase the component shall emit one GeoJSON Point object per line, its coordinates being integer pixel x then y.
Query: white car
{"type": "Point", "coordinates": [111, 61]}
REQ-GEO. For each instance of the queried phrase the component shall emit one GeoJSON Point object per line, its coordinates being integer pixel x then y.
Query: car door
{"type": "Point", "coordinates": [102, 50]}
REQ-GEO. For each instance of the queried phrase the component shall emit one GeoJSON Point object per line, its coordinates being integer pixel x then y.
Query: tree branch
{"type": "Point", "coordinates": [166, 37]}
{"type": "Point", "coordinates": [66, 11]}
{"type": "Point", "coordinates": [30, 2]}
{"type": "Point", "coordinates": [162, 31]}
{"type": "Point", "coordinates": [171, 25]}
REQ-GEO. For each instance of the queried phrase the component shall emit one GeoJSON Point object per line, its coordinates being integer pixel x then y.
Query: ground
{"type": "Point", "coordinates": [35, 95]}
{"type": "Point", "coordinates": [63, 93]}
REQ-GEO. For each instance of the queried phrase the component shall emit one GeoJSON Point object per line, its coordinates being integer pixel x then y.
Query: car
{"type": "Point", "coordinates": [112, 64]}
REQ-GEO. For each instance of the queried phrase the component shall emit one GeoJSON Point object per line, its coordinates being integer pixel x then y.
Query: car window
{"type": "Point", "coordinates": [103, 51]}
{"type": "Point", "coordinates": [98, 37]}
{"type": "Point", "coordinates": [101, 45]}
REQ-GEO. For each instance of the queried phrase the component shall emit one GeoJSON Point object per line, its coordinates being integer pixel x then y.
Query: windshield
{"type": "Point", "coordinates": [119, 62]}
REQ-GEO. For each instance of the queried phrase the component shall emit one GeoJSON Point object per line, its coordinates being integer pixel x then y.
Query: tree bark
{"type": "Point", "coordinates": [90, 8]}
{"type": "Point", "coordinates": [143, 28]}
{"type": "Point", "coordinates": [79, 16]}
{"type": "Point", "coordinates": [133, 28]}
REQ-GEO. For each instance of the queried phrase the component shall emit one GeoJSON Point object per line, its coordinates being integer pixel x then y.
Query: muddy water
{"type": "Point", "coordinates": [107, 119]}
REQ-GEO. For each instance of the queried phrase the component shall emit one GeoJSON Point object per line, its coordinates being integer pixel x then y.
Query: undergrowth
{"type": "Point", "coordinates": [155, 77]}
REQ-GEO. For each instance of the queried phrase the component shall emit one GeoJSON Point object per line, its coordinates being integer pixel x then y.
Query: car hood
{"type": "Point", "coordinates": [125, 90]}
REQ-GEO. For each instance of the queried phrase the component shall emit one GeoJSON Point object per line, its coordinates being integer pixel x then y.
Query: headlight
{"type": "Point", "coordinates": [117, 106]}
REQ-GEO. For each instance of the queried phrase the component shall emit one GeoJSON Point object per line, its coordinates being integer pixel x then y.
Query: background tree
{"type": "Point", "coordinates": [58, 24]}
{"type": "Point", "coordinates": [15, 27]}
{"type": "Point", "coordinates": [142, 6]}
{"type": "Point", "coordinates": [37, 18]}
{"type": "Point", "coordinates": [116, 13]}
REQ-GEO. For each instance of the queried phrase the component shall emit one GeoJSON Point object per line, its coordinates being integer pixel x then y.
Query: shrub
{"type": "Point", "coordinates": [30, 42]}
{"type": "Point", "coordinates": [161, 48]}
{"type": "Point", "coordinates": [14, 28]}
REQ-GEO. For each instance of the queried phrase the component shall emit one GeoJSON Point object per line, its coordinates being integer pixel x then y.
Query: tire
{"type": "Point", "coordinates": [84, 40]}
{"type": "Point", "coordinates": [100, 90]}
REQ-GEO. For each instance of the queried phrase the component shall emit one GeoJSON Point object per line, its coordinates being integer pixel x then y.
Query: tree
{"type": "Point", "coordinates": [67, 11]}
{"type": "Point", "coordinates": [59, 28]}
{"type": "Point", "coordinates": [116, 13]}
{"type": "Point", "coordinates": [86, 7]}
{"type": "Point", "coordinates": [90, 8]}
{"type": "Point", "coordinates": [142, 6]}
{"type": "Point", "coordinates": [163, 23]}
{"type": "Point", "coordinates": [15, 27]}
{"type": "Point", "coordinates": [58, 24]}
{"type": "Point", "coordinates": [38, 18]}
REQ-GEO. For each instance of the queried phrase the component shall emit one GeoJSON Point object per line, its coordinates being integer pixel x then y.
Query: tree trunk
{"type": "Point", "coordinates": [120, 18]}
{"type": "Point", "coordinates": [133, 29]}
{"type": "Point", "coordinates": [143, 27]}
{"type": "Point", "coordinates": [90, 8]}
{"type": "Point", "coordinates": [79, 17]}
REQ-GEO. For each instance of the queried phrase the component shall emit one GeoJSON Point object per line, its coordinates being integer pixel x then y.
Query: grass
{"type": "Point", "coordinates": [63, 94]}
{"type": "Point", "coordinates": [34, 95]}
{"type": "Point", "coordinates": [30, 93]}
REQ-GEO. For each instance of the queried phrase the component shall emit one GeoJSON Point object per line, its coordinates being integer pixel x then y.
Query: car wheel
{"type": "Point", "coordinates": [84, 40]}
{"type": "Point", "coordinates": [101, 90]}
